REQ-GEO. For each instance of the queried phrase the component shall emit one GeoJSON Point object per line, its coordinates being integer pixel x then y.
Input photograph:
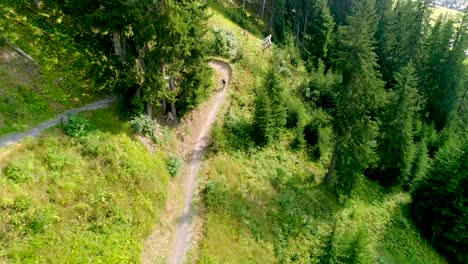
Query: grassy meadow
{"type": "Point", "coordinates": [91, 199]}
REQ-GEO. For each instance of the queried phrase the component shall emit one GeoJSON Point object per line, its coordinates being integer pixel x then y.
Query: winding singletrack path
{"type": "Point", "coordinates": [36, 131]}
{"type": "Point", "coordinates": [183, 237]}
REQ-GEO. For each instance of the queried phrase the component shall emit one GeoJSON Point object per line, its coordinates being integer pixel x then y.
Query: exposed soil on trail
{"type": "Point", "coordinates": [172, 237]}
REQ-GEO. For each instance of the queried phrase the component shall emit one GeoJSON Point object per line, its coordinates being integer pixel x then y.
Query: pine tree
{"type": "Point", "coordinates": [270, 110]}
{"type": "Point", "coordinates": [400, 35]}
{"type": "Point", "coordinates": [262, 131]}
{"type": "Point", "coordinates": [395, 141]}
{"type": "Point", "coordinates": [440, 200]}
{"type": "Point", "coordinates": [441, 70]}
{"type": "Point", "coordinates": [357, 99]}
{"type": "Point", "coordinates": [319, 34]}
{"type": "Point", "coordinates": [420, 165]}
{"type": "Point", "coordinates": [341, 10]}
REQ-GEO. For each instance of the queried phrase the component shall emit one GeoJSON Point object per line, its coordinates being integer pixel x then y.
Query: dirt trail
{"type": "Point", "coordinates": [184, 230]}
{"type": "Point", "coordinates": [36, 131]}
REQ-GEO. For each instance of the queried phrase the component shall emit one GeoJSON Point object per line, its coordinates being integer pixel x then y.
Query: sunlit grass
{"type": "Point", "coordinates": [88, 200]}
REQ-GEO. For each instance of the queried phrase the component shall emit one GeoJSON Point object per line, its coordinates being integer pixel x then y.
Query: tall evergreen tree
{"type": "Point", "coordinates": [270, 109]}
{"type": "Point", "coordinates": [400, 35]}
{"type": "Point", "coordinates": [395, 141]}
{"type": "Point", "coordinates": [319, 34]}
{"type": "Point", "coordinates": [357, 99]}
{"type": "Point", "coordinates": [440, 200]}
{"type": "Point", "coordinates": [341, 9]}
{"type": "Point", "coordinates": [441, 70]}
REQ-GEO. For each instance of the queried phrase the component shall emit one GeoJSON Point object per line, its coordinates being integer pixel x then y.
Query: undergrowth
{"type": "Point", "coordinates": [91, 199]}
{"type": "Point", "coordinates": [70, 71]}
{"type": "Point", "coordinates": [266, 205]}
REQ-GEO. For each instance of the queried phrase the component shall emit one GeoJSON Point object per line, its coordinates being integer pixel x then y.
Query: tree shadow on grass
{"type": "Point", "coordinates": [233, 136]}
{"type": "Point", "coordinates": [239, 16]}
{"type": "Point", "coordinates": [291, 208]}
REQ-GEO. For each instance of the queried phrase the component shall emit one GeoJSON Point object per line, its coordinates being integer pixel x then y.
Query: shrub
{"type": "Point", "coordinates": [173, 165]}
{"type": "Point", "coordinates": [225, 43]}
{"type": "Point", "coordinates": [17, 173]}
{"type": "Point", "coordinates": [78, 127]}
{"type": "Point", "coordinates": [146, 126]}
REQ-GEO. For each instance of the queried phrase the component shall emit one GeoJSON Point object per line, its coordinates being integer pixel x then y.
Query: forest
{"type": "Point", "coordinates": [346, 141]}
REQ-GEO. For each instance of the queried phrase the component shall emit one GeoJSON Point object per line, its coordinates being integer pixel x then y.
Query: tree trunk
{"type": "Point", "coordinates": [243, 4]}
{"type": "Point", "coordinates": [305, 27]}
{"type": "Point", "coordinates": [330, 176]}
{"type": "Point", "coordinates": [462, 100]}
{"type": "Point", "coordinates": [262, 10]}
{"type": "Point", "coordinates": [173, 108]}
{"type": "Point", "coordinates": [272, 15]}
{"type": "Point", "coordinates": [149, 109]}
{"type": "Point", "coordinates": [164, 106]}
{"type": "Point", "coordinates": [298, 29]}
{"type": "Point", "coordinates": [37, 4]}
{"type": "Point", "coordinates": [117, 45]}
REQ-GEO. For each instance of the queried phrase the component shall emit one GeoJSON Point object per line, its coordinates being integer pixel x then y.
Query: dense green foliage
{"type": "Point", "coordinates": [266, 205]}
{"type": "Point", "coordinates": [151, 60]}
{"type": "Point", "coordinates": [270, 111]}
{"type": "Point", "coordinates": [395, 141]}
{"type": "Point", "coordinates": [225, 43]}
{"type": "Point", "coordinates": [445, 217]}
{"type": "Point", "coordinates": [145, 126]}
{"type": "Point", "coordinates": [78, 127]}
{"type": "Point", "coordinates": [355, 126]}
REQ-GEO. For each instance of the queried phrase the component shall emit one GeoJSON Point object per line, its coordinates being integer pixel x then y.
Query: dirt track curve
{"type": "Point", "coordinates": [37, 130]}
{"type": "Point", "coordinates": [183, 237]}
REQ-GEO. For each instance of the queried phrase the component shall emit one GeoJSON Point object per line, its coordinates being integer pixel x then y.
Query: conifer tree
{"type": "Point", "coordinates": [400, 35]}
{"type": "Point", "coordinates": [270, 110]}
{"type": "Point", "coordinates": [395, 141]}
{"type": "Point", "coordinates": [262, 125]}
{"type": "Point", "coordinates": [440, 200]}
{"type": "Point", "coordinates": [420, 165]}
{"type": "Point", "coordinates": [357, 99]}
{"type": "Point", "coordinates": [441, 70]}
{"type": "Point", "coordinates": [319, 34]}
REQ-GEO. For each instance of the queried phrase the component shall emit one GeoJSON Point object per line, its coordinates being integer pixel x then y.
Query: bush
{"type": "Point", "coordinates": [225, 43]}
{"type": "Point", "coordinates": [146, 126]}
{"type": "Point", "coordinates": [78, 127]}
{"type": "Point", "coordinates": [17, 173]}
{"type": "Point", "coordinates": [174, 164]}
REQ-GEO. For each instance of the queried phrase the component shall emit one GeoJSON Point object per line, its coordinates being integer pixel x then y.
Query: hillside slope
{"type": "Point", "coordinates": [91, 199]}
{"type": "Point", "coordinates": [70, 71]}
{"type": "Point", "coordinates": [265, 205]}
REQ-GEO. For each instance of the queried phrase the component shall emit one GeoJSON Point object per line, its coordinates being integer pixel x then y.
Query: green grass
{"type": "Point", "coordinates": [87, 200]}
{"type": "Point", "coordinates": [71, 70]}
{"type": "Point", "coordinates": [267, 206]}
{"type": "Point", "coordinates": [443, 11]}
{"type": "Point", "coordinates": [20, 105]}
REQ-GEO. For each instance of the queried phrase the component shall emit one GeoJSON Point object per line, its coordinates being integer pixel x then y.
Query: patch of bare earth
{"type": "Point", "coordinates": [159, 246]}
